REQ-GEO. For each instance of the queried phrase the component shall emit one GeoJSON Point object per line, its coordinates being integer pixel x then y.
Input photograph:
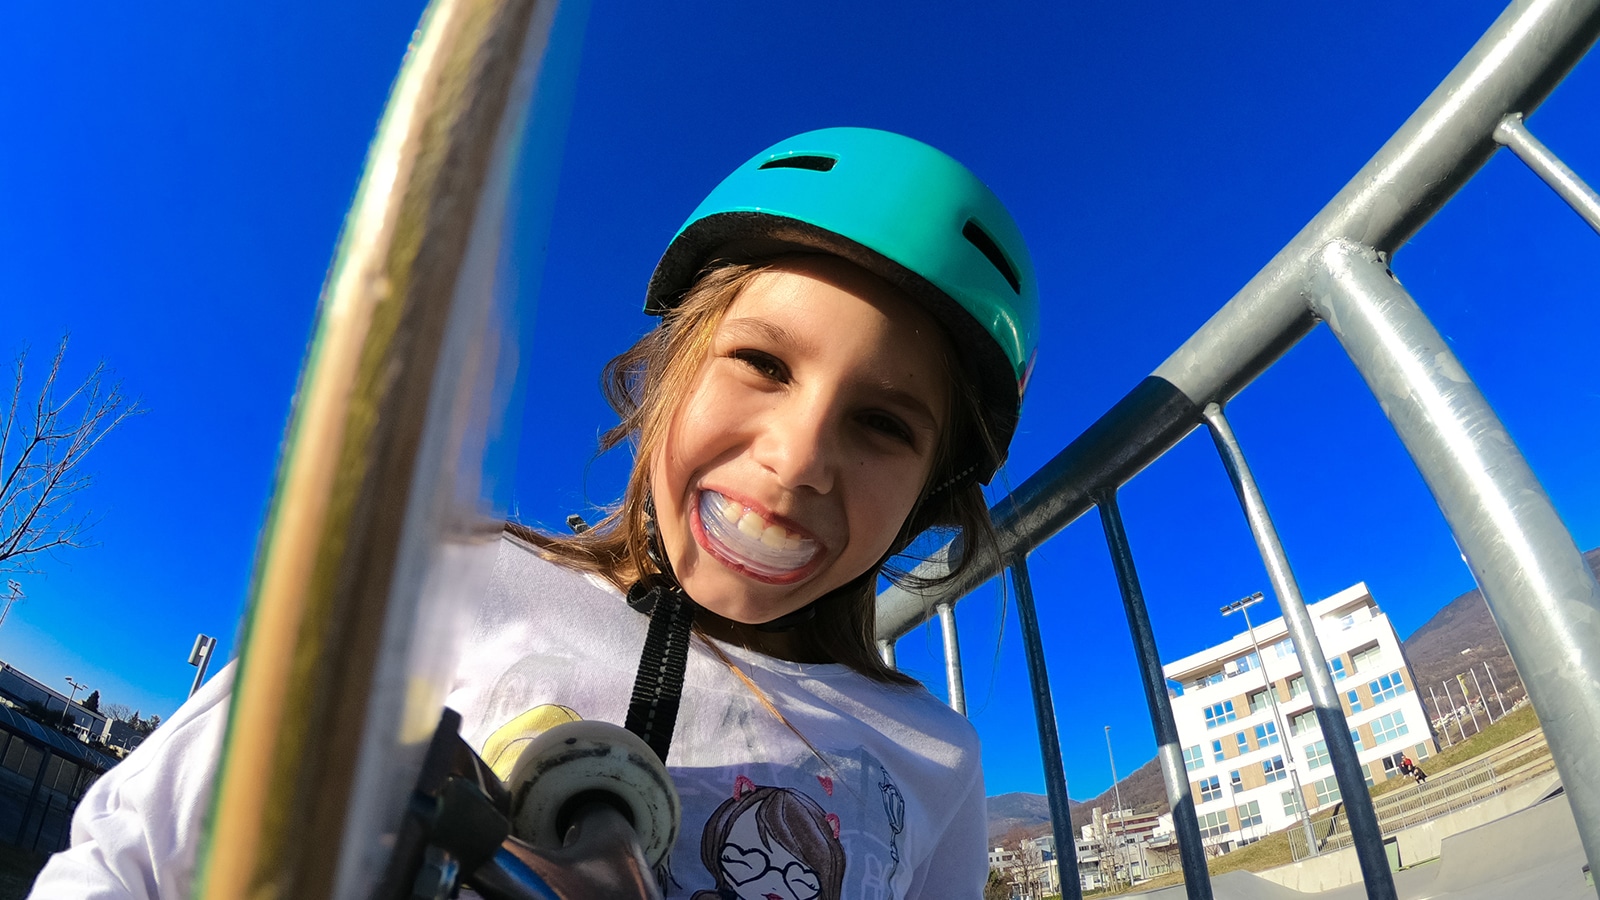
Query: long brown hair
{"type": "Point", "coordinates": [643, 385]}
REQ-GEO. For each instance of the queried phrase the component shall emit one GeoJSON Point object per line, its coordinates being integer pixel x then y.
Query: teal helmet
{"type": "Point", "coordinates": [902, 210]}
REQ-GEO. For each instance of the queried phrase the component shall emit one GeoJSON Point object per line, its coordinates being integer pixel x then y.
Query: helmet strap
{"type": "Point", "coordinates": [658, 683]}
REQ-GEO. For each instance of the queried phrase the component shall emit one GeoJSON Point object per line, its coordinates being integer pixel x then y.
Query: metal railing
{"type": "Point", "coordinates": [1336, 271]}
{"type": "Point", "coordinates": [1410, 805]}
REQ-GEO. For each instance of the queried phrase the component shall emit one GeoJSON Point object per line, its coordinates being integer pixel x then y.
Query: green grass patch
{"type": "Point", "coordinates": [1513, 725]}
{"type": "Point", "coordinates": [1510, 727]}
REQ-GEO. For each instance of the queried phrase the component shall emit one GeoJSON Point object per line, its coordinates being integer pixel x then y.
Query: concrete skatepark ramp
{"type": "Point", "coordinates": [1533, 854]}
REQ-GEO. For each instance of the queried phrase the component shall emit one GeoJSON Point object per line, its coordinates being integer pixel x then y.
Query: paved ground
{"type": "Point", "coordinates": [1533, 854]}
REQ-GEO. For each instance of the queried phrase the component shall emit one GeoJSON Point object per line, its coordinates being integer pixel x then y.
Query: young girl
{"type": "Point", "coordinates": [847, 326]}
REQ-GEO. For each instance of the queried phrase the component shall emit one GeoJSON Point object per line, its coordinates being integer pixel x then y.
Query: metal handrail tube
{"type": "Point", "coordinates": [1297, 618]}
{"type": "Point", "coordinates": [1524, 54]}
{"type": "Point", "coordinates": [1565, 182]}
{"type": "Point", "coordinates": [1044, 713]}
{"type": "Point", "coordinates": [1544, 599]}
{"type": "Point", "coordinates": [1191, 849]}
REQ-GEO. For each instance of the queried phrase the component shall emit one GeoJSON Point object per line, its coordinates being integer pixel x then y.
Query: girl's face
{"type": "Point", "coordinates": [808, 434]}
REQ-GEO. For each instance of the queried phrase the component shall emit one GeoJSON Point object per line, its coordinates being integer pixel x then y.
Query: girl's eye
{"type": "Point", "coordinates": [885, 424]}
{"type": "Point", "coordinates": [765, 364]}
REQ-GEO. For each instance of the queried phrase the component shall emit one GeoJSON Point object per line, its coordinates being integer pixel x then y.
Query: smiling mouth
{"type": "Point", "coordinates": [746, 540]}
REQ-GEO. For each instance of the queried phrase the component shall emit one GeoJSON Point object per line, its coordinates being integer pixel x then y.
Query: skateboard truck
{"type": "Point", "coordinates": [589, 815]}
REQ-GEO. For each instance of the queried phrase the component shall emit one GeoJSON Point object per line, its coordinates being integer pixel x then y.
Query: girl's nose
{"type": "Point", "coordinates": [797, 443]}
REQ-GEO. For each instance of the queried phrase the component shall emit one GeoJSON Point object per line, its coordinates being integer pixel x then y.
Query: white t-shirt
{"type": "Point", "coordinates": [889, 804]}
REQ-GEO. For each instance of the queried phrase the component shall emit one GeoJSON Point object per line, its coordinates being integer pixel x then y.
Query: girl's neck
{"type": "Point", "coordinates": [794, 645]}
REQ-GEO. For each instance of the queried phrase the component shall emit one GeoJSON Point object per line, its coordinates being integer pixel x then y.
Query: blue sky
{"type": "Point", "coordinates": [174, 178]}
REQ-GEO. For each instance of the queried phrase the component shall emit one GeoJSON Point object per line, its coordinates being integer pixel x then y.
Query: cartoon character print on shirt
{"type": "Point", "coordinates": [771, 843]}
{"type": "Point", "coordinates": [503, 747]}
{"type": "Point", "coordinates": [894, 806]}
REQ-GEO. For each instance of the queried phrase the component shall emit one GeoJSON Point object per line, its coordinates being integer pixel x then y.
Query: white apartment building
{"type": "Point", "coordinates": [1242, 767]}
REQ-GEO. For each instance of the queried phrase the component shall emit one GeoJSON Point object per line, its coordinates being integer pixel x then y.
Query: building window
{"type": "Point", "coordinates": [1297, 686]}
{"type": "Point", "coordinates": [1216, 751]}
{"type": "Point", "coordinates": [1327, 790]}
{"type": "Point", "coordinates": [1347, 622]}
{"type": "Point", "coordinates": [1214, 823]}
{"type": "Point", "coordinates": [1218, 713]}
{"type": "Point", "coordinates": [1365, 659]}
{"type": "Point", "coordinates": [1387, 687]}
{"type": "Point", "coordinates": [1193, 758]}
{"type": "Point", "coordinates": [1336, 668]}
{"type": "Point", "coordinates": [1207, 680]}
{"type": "Point", "coordinates": [1291, 803]}
{"type": "Point", "coordinates": [1258, 701]}
{"type": "Point", "coordinates": [1355, 701]}
{"type": "Point", "coordinates": [1244, 743]}
{"type": "Point", "coordinates": [1244, 664]}
{"type": "Point", "coordinates": [1235, 781]}
{"type": "Point", "coordinates": [1387, 728]}
{"type": "Point", "coordinates": [1285, 648]}
{"type": "Point", "coordinates": [1273, 769]}
{"type": "Point", "coordinates": [1266, 734]}
{"type": "Point", "coordinates": [1210, 789]}
{"type": "Point", "coordinates": [1355, 738]}
{"type": "Point", "coordinates": [1317, 754]}
{"type": "Point", "coordinates": [1250, 814]}
{"type": "Point", "coordinates": [1303, 722]}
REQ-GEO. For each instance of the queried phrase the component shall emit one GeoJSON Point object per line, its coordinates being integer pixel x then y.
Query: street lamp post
{"type": "Point", "coordinates": [1122, 820]}
{"type": "Point", "coordinates": [200, 658]}
{"type": "Point", "coordinates": [15, 595]}
{"type": "Point", "coordinates": [76, 687]}
{"type": "Point", "coordinates": [1243, 608]}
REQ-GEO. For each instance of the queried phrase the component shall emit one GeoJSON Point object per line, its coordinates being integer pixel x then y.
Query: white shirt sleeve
{"type": "Point", "coordinates": [135, 832]}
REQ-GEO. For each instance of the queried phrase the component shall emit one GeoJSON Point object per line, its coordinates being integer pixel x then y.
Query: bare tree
{"type": "Point", "coordinates": [117, 711]}
{"type": "Point", "coordinates": [1025, 871]}
{"type": "Point", "coordinates": [42, 447]}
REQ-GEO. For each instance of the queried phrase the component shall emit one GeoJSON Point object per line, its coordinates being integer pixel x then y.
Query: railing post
{"type": "Point", "coordinates": [952, 658]}
{"type": "Point", "coordinates": [1565, 182]}
{"type": "Point", "coordinates": [886, 651]}
{"type": "Point", "coordinates": [1364, 830]}
{"type": "Point", "coordinates": [1196, 877]}
{"type": "Point", "coordinates": [1543, 597]}
{"type": "Point", "coordinates": [1044, 712]}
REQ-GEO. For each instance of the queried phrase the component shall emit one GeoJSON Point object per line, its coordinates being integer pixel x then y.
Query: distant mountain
{"type": "Point", "coordinates": [1459, 638]}
{"type": "Point", "coordinates": [1143, 791]}
{"type": "Point", "coordinates": [1009, 812]}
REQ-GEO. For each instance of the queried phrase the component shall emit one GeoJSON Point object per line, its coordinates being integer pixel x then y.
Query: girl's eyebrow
{"type": "Point", "coordinates": [910, 404]}
{"type": "Point", "coordinates": [763, 329]}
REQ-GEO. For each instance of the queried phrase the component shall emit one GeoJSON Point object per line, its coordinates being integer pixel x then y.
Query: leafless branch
{"type": "Point", "coordinates": [41, 455]}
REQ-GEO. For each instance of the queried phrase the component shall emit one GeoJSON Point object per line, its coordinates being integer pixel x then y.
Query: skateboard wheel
{"type": "Point", "coordinates": [579, 761]}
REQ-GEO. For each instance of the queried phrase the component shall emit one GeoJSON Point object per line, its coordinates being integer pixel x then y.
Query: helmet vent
{"type": "Point", "coordinates": [814, 163]}
{"type": "Point", "coordinates": [979, 238]}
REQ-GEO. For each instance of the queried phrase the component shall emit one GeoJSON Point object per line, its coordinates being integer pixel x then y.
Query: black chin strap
{"type": "Point", "coordinates": [790, 621]}
{"type": "Point", "coordinates": [658, 685]}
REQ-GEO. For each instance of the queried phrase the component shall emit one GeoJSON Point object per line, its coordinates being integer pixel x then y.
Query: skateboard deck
{"type": "Point", "coordinates": [383, 522]}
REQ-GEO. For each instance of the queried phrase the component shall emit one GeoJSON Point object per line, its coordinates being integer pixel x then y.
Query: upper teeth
{"type": "Point", "coordinates": [751, 524]}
